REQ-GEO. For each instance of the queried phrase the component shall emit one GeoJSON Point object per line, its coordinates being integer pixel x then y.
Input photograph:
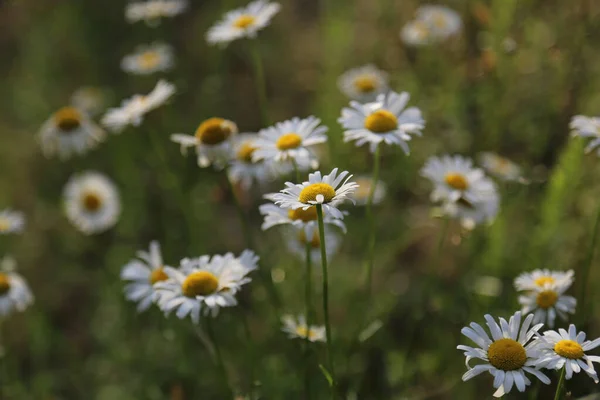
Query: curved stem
{"type": "Point", "coordinates": [371, 221]}
{"type": "Point", "coordinates": [561, 383]}
{"type": "Point", "coordinates": [259, 77]}
{"type": "Point", "coordinates": [218, 356]}
{"type": "Point", "coordinates": [308, 311]}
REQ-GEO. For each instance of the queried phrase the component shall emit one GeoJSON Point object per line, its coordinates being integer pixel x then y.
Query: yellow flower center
{"type": "Point", "coordinates": [301, 331]}
{"type": "Point", "coordinates": [4, 284]}
{"type": "Point", "coordinates": [507, 354]}
{"type": "Point", "coordinates": [200, 283]}
{"type": "Point", "coordinates": [310, 214]}
{"type": "Point", "coordinates": [149, 59]}
{"type": "Point", "coordinates": [381, 121]}
{"type": "Point", "coordinates": [4, 225]}
{"type": "Point", "coordinates": [546, 299]}
{"type": "Point", "coordinates": [365, 84]}
{"type": "Point", "coordinates": [244, 21]}
{"type": "Point", "coordinates": [67, 119]}
{"type": "Point", "coordinates": [569, 349]}
{"type": "Point", "coordinates": [456, 181]}
{"type": "Point", "coordinates": [543, 280]}
{"type": "Point", "coordinates": [315, 241]}
{"type": "Point", "coordinates": [311, 192]}
{"type": "Point", "coordinates": [421, 30]}
{"type": "Point", "coordinates": [158, 275]}
{"type": "Point", "coordinates": [215, 130]}
{"type": "Point", "coordinates": [288, 141]}
{"type": "Point", "coordinates": [245, 152]}
{"type": "Point", "coordinates": [440, 21]}
{"type": "Point", "coordinates": [91, 201]}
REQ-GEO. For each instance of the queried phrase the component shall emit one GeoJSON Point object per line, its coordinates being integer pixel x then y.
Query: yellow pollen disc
{"type": "Point", "coordinates": [67, 119]}
{"type": "Point", "coordinates": [245, 152]}
{"type": "Point", "coordinates": [288, 141]}
{"type": "Point", "coordinates": [311, 192]}
{"type": "Point", "coordinates": [4, 284]}
{"type": "Point", "coordinates": [200, 283]}
{"type": "Point", "coordinates": [542, 281]}
{"type": "Point", "coordinates": [149, 59]}
{"type": "Point", "coordinates": [244, 21]}
{"type": "Point", "coordinates": [215, 130]}
{"type": "Point", "coordinates": [4, 225]}
{"type": "Point", "coordinates": [158, 275]}
{"type": "Point", "coordinates": [546, 299]}
{"type": "Point", "coordinates": [301, 331]}
{"type": "Point", "coordinates": [440, 21]}
{"type": "Point", "coordinates": [365, 84]}
{"type": "Point", "coordinates": [310, 214]}
{"type": "Point", "coordinates": [569, 349]}
{"type": "Point", "coordinates": [421, 29]}
{"type": "Point", "coordinates": [456, 181]}
{"type": "Point", "coordinates": [507, 354]}
{"type": "Point", "coordinates": [381, 121]}
{"type": "Point", "coordinates": [315, 241]}
{"type": "Point", "coordinates": [91, 201]}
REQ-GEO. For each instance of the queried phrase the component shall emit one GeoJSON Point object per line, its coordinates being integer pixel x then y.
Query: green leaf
{"type": "Point", "coordinates": [327, 374]}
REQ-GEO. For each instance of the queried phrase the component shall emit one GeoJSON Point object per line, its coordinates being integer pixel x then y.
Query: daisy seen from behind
{"type": "Point", "coordinates": [507, 354]}
{"type": "Point", "coordinates": [548, 301]}
{"type": "Point", "coordinates": [500, 167]}
{"type": "Point", "coordinates": [296, 327]}
{"type": "Point", "coordinates": [145, 60]}
{"type": "Point", "coordinates": [152, 11]}
{"type": "Point", "coordinates": [442, 21]}
{"type": "Point", "coordinates": [363, 83]}
{"type": "Point", "coordinates": [243, 170]}
{"type": "Point", "coordinates": [386, 120]}
{"type": "Point", "coordinates": [587, 127]}
{"type": "Point", "coordinates": [91, 202]}
{"type": "Point", "coordinates": [471, 214]}
{"type": "Point", "coordinates": [11, 221]}
{"type": "Point", "coordinates": [539, 278]}
{"type": "Point", "coordinates": [15, 294]}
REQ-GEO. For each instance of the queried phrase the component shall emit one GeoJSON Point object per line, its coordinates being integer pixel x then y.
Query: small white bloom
{"type": "Point", "coordinates": [500, 167]}
{"type": "Point", "coordinates": [365, 183]}
{"type": "Point", "coordinates": [296, 327]}
{"type": "Point", "coordinates": [384, 120]}
{"type": "Point", "coordinates": [157, 57]}
{"type": "Point", "coordinates": [330, 191]}
{"type": "Point", "coordinates": [299, 218]}
{"type": "Point", "coordinates": [244, 22]}
{"type": "Point", "coordinates": [92, 202]}
{"type": "Point", "coordinates": [442, 21]}
{"type": "Point", "coordinates": [363, 83]}
{"type": "Point", "coordinates": [587, 127]}
{"type": "Point", "coordinates": [69, 131]}
{"type": "Point", "coordinates": [416, 33]}
{"type": "Point", "coordinates": [242, 169]}
{"type": "Point", "coordinates": [470, 214]}
{"type": "Point", "coordinates": [15, 295]}
{"type": "Point", "coordinates": [11, 221]}
{"type": "Point", "coordinates": [547, 301]}
{"type": "Point", "coordinates": [142, 273]}
{"type": "Point", "coordinates": [567, 349]}
{"type": "Point", "coordinates": [132, 110]}
{"type": "Point", "coordinates": [507, 355]}
{"type": "Point", "coordinates": [89, 99]}
{"type": "Point", "coordinates": [296, 241]}
{"type": "Point", "coordinates": [152, 11]}
{"type": "Point", "coordinates": [539, 278]}
{"type": "Point", "coordinates": [211, 140]}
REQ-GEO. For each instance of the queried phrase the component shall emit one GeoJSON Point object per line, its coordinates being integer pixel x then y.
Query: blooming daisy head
{"type": "Point", "coordinates": [289, 142]}
{"type": "Point", "coordinates": [92, 202]}
{"type": "Point", "coordinates": [547, 301]}
{"type": "Point", "coordinates": [507, 354]}
{"type": "Point", "coordinates": [142, 273]}
{"type": "Point", "coordinates": [587, 127]}
{"type": "Point", "coordinates": [384, 120]}
{"type": "Point", "coordinates": [204, 284]}
{"type": "Point", "coordinates": [363, 83]}
{"type": "Point", "coordinates": [329, 191]}
{"type": "Point", "coordinates": [442, 21]}
{"type": "Point", "coordinates": [567, 349]}
{"type": "Point", "coordinates": [132, 110]}
{"type": "Point", "coordinates": [297, 241]}
{"type": "Point", "coordinates": [69, 131]}
{"type": "Point", "coordinates": [362, 193]}
{"type": "Point", "coordinates": [152, 11]}
{"type": "Point", "coordinates": [540, 278]}
{"type": "Point", "coordinates": [243, 22]}
{"type": "Point", "coordinates": [416, 33]}
{"type": "Point", "coordinates": [211, 140]}
{"type": "Point", "coordinates": [243, 169]}
{"type": "Point", "coordinates": [157, 57]}
{"type": "Point", "coordinates": [11, 221]}
{"type": "Point", "coordinates": [296, 327]}
{"type": "Point", "coordinates": [471, 214]}
{"type": "Point", "coordinates": [14, 292]}
{"type": "Point", "coordinates": [89, 99]}
{"type": "Point", "coordinates": [500, 167]}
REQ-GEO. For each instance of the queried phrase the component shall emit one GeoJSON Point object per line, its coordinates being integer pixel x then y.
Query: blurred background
{"type": "Point", "coordinates": [508, 83]}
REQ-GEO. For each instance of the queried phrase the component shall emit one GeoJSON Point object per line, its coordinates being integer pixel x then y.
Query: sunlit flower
{"type": "Point", "coordinates": [567, 349]}
{"type": "Point", "coordinates": [363, 83]}
{"type": "Point", "coordinates": [152, 11]}
{"type": "Point", "coordinates": [330, 191]}
{"type": "Point", "coordinates": [507, 355]}
{"type": "Point", "coordinates": [14, 292]}
{"type": "Point", "coordinates": [296, 327]}
{"type": "Point", "coordinates": [132, 110]}
{"type": "Point", "coordinates": [384, 120]}
{"type": "Point", "coordinates": [290, 142]}
{"type": "Point", "coordinates": [547, 301]}
{"type": "Point", "coordinates": [149, 59]}
{"type": "Point", "coordinates": [142, 273]}
{"type": "Point", "coordinates": [442, 21]}
{"type": "Point", "coordinates": [69, 131]}
{"type": "Point", "coordinates": [296, 241]}
{"type": "Point", "coordinates": [500, 167]}
{"type": "Point", "coordinates": [242, 169]}
{"type": "Point", "coordinates": [92, 202]}
{"type": "Point", "coordinates": [361, 195]}
{"type": "Point", "coordinates": [204, 284]}
{"type": "Point", "coordinates": [243, 22]}
{"type": "Point", "coordinates": [587, 127]}
{"type": "Point", "coordinates": [211, 140]}
{"type": "Point", "coordinates": [474, 213]}
{"type": "Point", "coordinates": [11, 221]}
{"type": "Point", "coordinates": [416, 33]}
{"type": "Point", "coordinates": [89, 99]}
{"type": "Point", "coordinates": [539, 278]}
{"type": "Point", "coordinates": [299, 218]}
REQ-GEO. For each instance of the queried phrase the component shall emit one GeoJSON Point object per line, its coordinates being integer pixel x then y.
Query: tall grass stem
{"type": "Point", "coordinates": [259, 81]}
{"type": "Point", "coordinates": [371, 221]}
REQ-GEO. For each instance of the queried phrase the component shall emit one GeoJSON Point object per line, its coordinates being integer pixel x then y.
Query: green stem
{"type": "Point", "coordinates": [588, 263]}
{"type": "Point", "coordinates": [219, 357]}
{"type": "Point", "coordinates": [308, 312]}
{"type": "Point", "coordinates": [371, 221]}
{"type": "Point", "coordinates": [326, 298]}
{"type": "Point", "coordinates": [259, 77]}
{"type": "Point", "coordinates": [561, 383]}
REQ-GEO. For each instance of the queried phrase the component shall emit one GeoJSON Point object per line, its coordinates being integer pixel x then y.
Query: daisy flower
{"type": "Point", "coordinates": [157, 57]}
{"type": "Point", "coordinates": [69, 131]}
{"type": "Point", "coordinates": [244, 22]}
{"type": "Point", "coordinates": [470, 214]}
{"type": "Point", "coordinates": [142, 273]}
{"type": "Point", "coordinates": [330, 191]}
{"type": "Point", "coordinates": [539, 278]}
{"type": "Point", "coordinates": [296, 241]}
{"type": "Point", "coordinates": [11, 221]}
{"type": "Point", "coordinates": [132, 110]}
{"type": "Point", "coordinates": [296, 327]}
{"type": "Point", "coordinates": [211, 140]}
{"type": "Point", "coordinates": [567, 349]}
{"type": "Point", "coordinates": [547, 301]}
{"type": "Point", "coordinates": [361, 196]}
{"type": "Point", "coordinates": [507, 356]}
{"type": "Point", "coordinates": [152, 11]}
{"type": "Point", "coordinates": [242, 169]}
{"type": "Point", "coordinates": [289, 142]}
{"type": "Point", "coordinates": [92, 202]}
{"type": "Point", "coordinates": [363, 83]}
{"type": "Point", "coordinates": [416, 33]}
{"type": "Point", "coordinates": [384, 120]}
{"type": "Point", "coordinates": [89, 99]}
{"type": "Point", "coordinates": [443, 22]}
{"type": "Point", "coordinates": [587, 127]}
{"type": "Point", "coordinates": [14, 292]}
{"type": "Point", "coordinates": [204, 284]}
{"type": "Point", "coordinates": [500, 167]}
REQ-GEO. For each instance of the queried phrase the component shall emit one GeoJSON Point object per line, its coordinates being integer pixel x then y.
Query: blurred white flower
{"type": "Point", "coordinates": [11, 221]}
{"type": "Point", "coordinates": [472, 214]}
{"type": "Point", "coordinates": [587, 127]}
{"type": "Point", "coordinates": [242, 169]}
{"type": "Point", "coordinates": [361, 195]}
{"type": "Point", "coordinates": [296, 241]}
{"type": "Point", "coordinates": [500, 167]}
{"type": "Point", "coordinates": [152, 11]}
{"type": "Point", "coordinates": [548, 301]}
{"type": "Point", "coordinates": [416, 33]}
{"type": "Point", "coordinates": [538, 278]}
{"type": "Point", "coordinates": [296, 327]}
{"type": "Point", "coordinates": [15, 295]}
{"type": "Point", "coordinates": [157, 57]}
{"type": "Point", "coordinates": [442, 21]}
{"type": "Point", "coordinates": [89, 99]}
{"type": "Point", "coordinates": [363, 83]}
